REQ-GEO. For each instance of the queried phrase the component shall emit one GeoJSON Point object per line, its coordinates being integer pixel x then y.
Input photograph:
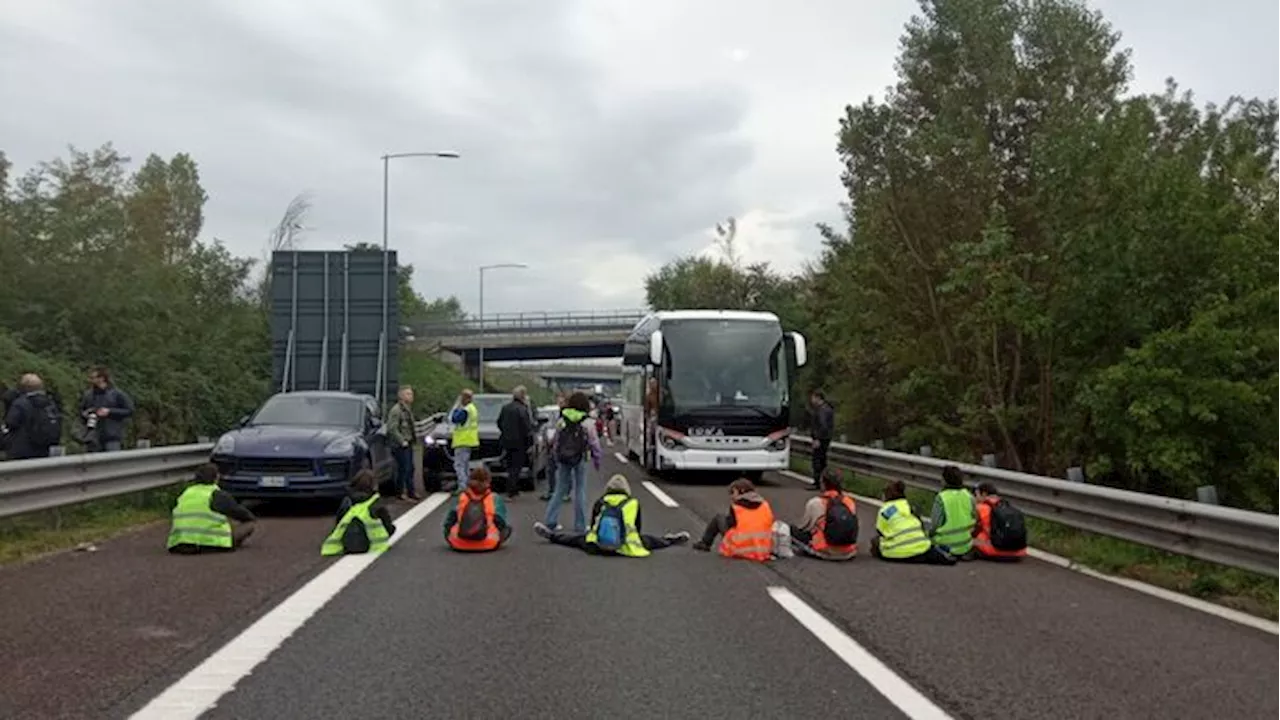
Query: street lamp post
{"type": "Point", "coordinates": [500, 266]}
{"type": "Point", "coordinates": [385, 336]}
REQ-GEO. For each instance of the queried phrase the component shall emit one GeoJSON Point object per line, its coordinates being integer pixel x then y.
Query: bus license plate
{"type": "Point", "coordinates": [726, 461]}
{"type": "Point", "coordinates": [273, 481]}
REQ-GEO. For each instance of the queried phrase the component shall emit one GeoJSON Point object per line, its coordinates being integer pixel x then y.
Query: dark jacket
{"type": "Point", "coordinates": [824, 421]}
{"type": "Point", "coordinates": [379, 510]}
{"type": "Point", "coordinates": [18, 419]}
{"type": "Point", "coordinates": [515, 426]}
{"type": "Point", "coordinates": [119, 406]}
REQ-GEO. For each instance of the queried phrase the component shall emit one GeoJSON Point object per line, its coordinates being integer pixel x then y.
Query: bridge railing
{"type": "Point", "coordinates": [1229, 536]}
{"type": "Point", "coordinates": [534, 322]}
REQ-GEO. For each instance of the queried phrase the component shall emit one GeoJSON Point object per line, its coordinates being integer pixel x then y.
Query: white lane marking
{"type": "Point", "coordinates": [622, 458]}
{"type": "Point", "coordinates": [199, 690]}
{"type": "Point", "coordinates": [906, 698]}
{"type": "Point", "coordinates": [663, 498]}
{"type": "Point", "coordinates": [1204, 606]}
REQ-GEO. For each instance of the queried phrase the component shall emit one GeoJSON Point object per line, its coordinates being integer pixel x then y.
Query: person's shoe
{"type": "Point", "coordinates": [545, 497]}
{"type": "Point", "coordinates": [701, 546]}
{"type": "Point", "coordinates": [541, 530]}
{"type": "Point", "coordinates": [677, 538]}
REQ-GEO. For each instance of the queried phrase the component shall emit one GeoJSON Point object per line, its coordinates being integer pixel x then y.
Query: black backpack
{"type": "Point", "coordinates": [841, 526]}
{"type": "Point", "coordinates": [571, 444]}
{"type": "Point", "coordinates": [473, 524]}
{"type": "Point", "coordinates": [611, 530]}
{"type": "Point", "coordinates": [44, 427]}
{"type": "Point", "coordinates": [1008, 527]}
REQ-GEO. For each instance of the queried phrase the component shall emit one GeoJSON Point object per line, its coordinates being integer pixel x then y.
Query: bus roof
{"type": "Point", "coordinates": [744, 315]}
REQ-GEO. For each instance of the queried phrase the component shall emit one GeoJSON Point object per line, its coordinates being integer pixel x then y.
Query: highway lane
{"type": "Point", "coordinates": [540, 631]}
{"type": "Point", "coordinates": [1029, 640]}
{"type": "Point", "coordinates": [83, 631]}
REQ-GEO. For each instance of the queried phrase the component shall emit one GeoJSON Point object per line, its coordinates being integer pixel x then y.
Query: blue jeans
{"type": "Point", "coordinates": [566, 476]}
{"type": "Point", "coordinates": [404, 470]}
{"type": "Point", "coordinates": [462, 464]}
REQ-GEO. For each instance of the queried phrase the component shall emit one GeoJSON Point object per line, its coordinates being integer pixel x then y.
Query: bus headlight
{"type": "Point", "coordinates": [671, 443]}
{"type": "Point", "coordinates": [778, 445]}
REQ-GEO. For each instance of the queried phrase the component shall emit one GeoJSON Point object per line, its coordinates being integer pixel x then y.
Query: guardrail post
{"type": "Point", "coordinates": [989, 460]}
{"type": "Point", "coordinates": [926, 451]}
{"type": "Point", "coordinates": [1075, 474]}
{"type": "Point", "coordinates": [57, 451]}
{"type": "Point", "coordinates": [202, 439]}
{"type": "Point", "coordinates": [878, 444]}
{"type": "Point", "coordinates": [143, 444]}
{"type": "Point", "coordinates": [844, 438]}
{"type": "Point", "coordinates": [1207, 494]}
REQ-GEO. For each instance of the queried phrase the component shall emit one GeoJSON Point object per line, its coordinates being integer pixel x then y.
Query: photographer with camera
{"type": "Point", "coordinates": [104, 408]}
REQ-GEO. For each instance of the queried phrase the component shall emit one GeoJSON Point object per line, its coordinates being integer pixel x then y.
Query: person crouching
{"type": "Point", "coordinates": [478, 520]}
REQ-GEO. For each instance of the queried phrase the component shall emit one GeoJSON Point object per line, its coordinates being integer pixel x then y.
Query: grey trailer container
{"type": "Point", "coordinates": [326, 321]}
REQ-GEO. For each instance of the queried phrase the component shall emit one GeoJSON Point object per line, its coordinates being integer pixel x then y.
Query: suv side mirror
{"type": "Point", "coordinates": [244, 420]}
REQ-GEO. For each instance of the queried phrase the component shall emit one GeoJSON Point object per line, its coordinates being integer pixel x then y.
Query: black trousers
{"type": "Point", "coordinates": [718, 525]}
{"type": "Point", "coordinates": [932, 556]}
{"type": "Point", "coordinates": [579, 541]}
{"type": "Point", "coordinates": [818, 462]}
{"type": "Point", "coordinates": [517, 460]}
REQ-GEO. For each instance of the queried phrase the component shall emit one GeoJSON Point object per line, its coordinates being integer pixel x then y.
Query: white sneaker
{"type": "Point", "coordinates": [677, 538]}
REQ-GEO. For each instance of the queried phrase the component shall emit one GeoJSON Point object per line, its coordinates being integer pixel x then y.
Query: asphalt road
{"type": "Point", "coordinates": [542, 631]}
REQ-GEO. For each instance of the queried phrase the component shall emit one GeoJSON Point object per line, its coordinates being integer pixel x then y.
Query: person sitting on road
{"type": "Point", "coordinates": [900, 535]}
{"type": "Point", "coordinates": [829, 528]}
{"type": "Point", "coordinates": [615, 526]}
{"type": "Point", "coordinates": [575, 443]}
{"type": "Point", "coordinates": [477, 522]}
{"type": "Point", "coordinates": [747, 527]}
{"type": "Point", "coordinates": [364, 522]}
{"type": "Point", "coordinates": [203, 514]}
{"type": "Point", "coordinates": [954, 515]}
{"type": "Point", "coordinates": [1001, 531]}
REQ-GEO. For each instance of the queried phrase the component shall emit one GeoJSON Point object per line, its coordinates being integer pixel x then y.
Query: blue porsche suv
{"type": "Point", "coordinates": [303, 445]}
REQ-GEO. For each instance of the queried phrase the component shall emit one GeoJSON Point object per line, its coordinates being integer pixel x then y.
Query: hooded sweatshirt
{"type": "Point", "coordinates": [751, 501]}
{"type": "Point", "coordinates": [617, 485]}
{"type": "Point", "coordinates": [573, 415]}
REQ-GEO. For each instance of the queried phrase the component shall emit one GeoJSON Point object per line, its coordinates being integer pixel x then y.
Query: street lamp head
{"type": "Point", "coordinates": [504, 266]}
{"type": "Point", "coordinates": [442, 154]}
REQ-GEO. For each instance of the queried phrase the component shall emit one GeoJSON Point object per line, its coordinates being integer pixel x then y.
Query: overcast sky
{"type": "Point", "coordinates": [599, 138]}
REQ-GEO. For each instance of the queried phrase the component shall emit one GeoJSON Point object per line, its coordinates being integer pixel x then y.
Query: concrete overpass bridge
{"type": "Point", "coordinates": [567, 377]}
{"type": "Point", "coordinates": [532, 335]}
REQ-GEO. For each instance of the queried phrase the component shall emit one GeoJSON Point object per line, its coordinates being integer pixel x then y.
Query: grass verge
{"type": "Point", "coordinates": [1230, 587]}
{"type": "Point", "coordinates": [34, 534]}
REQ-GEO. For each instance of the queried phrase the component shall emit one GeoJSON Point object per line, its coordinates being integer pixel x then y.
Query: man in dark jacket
{"type": "Point", "coordinates": [32, 421]}
{"type": "Point", "coordinates": [515, 437]}
{"type": "Point", "coordinates": [104, 409]}
{"type": "Point", "coordinates": [823, 420]}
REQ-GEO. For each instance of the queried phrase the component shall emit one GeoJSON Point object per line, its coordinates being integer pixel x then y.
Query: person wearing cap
{"type": "Point", "coordinates": [615, 526]}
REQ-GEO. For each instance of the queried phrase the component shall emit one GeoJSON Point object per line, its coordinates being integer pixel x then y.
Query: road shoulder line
{"type": "Point", "coordinates": [1186, 601]}
{"type": "Point", "coordinates": [200, 689]}
{"type": "Point", "coordinates": [622, 458]}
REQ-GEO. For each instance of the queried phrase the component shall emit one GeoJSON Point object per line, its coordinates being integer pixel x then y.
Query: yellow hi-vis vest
{"type": "Point", "coordinates": [956, 534]}
{"type": "Point", "coordinates": [468, 433]}
{"type": "Point", "coordinates": [373, 529]}
{"type": "Point", "coordinates": [901, 533]}
{"type": "Point", "coordinates": [194, 523]}
{"type": "Point", "coordinates": [632, 546]}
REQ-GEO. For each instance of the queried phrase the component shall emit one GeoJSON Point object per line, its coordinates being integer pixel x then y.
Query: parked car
{"type": "Point", "coordinates": [303, 445]}
{"type": "Point", "coordinates": [437, 450]}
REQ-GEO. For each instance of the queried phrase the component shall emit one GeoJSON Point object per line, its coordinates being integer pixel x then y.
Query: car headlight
{"type": "Point", "coordinates": [225, 445]}
{"type": "Point", "coordinates": [341, 446]}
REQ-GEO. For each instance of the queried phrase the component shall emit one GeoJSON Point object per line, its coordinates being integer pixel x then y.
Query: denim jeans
{"type": "Point", "coordinates": [462, 464]}
{"type": "Point", "coordinates": [404, 470]}
{"type": "Point", "coordinates": [567, 476]}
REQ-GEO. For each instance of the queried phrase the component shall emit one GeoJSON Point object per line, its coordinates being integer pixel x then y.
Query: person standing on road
{"type": "Point", "coordinates": [33, 421]}
{"type": "Point", "coordinates": [515, 437]}
{"type": "Point", "coordinates": [955, 512]}
{"type": "Point", "coordinates": [823, 421]}
{"type": "Point", "coordinates": [575, 443]}
{"type": "Point", "coordinates": [466, 435]}
{"type": "Point", "coordinates": [561, 399]}
{"type": "Point", "coordinates": [202, 517]}
{"type": "Point", "coordinates": [829, 529]}
{"type": "Point", "coordinates": [104, 409]}
{"type": "Point", "coordinates": [402, 432]}
{"type": "Point", "coordinates": [615, 526]}
{"type": "Point", "coordinates": [364, 523]}
{"type": "Point", "coordinates": [747, 527]}
{"type": "Point", "coordinates": [900, 535]}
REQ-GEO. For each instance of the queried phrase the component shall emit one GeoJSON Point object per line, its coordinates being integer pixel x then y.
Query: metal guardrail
{"type": "Point", "coordinates": [1228, 536]}
{"type": "Point", "coordinates": [534, 322]}
{"type": "Point", "coordinates": [31, 485]}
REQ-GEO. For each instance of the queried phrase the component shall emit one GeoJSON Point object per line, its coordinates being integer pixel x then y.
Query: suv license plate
{"type": "Point", "coordinates": [726, 461]}
{"type": "Point", "coordinates": [273, 481]}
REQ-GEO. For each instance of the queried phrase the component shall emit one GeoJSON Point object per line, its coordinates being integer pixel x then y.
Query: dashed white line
{"type": "Point", "coordinates": [663, 498]}
{"type": "Point", "coordinates": [622, 458]}
{"type": "Point", "coordinates": [200, 689]}
{"type": "Point", "coordinates": [1155, 591]}
{"type": "Point", "coordinates": [906, 698]}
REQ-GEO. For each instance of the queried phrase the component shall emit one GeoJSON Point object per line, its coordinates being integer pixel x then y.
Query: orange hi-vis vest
{"type": "Point", "coordinates": [819, 541]}
{"type": "Point", "coordinates": [751, 537]}
{"type": "Point", "coordinates": [982, 532]}
{"type": "Point", "coordinates": [491, 539]}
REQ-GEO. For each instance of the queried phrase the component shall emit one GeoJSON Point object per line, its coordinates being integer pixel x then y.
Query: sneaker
{"type": "Point", "coordinates": [545, 497]}
{"type": "Point", "coordinates": [541, 530]}
{"type": "Point", "coordinates": [701, 546]}
{"type": "Point", "coordinates": [677, 538]}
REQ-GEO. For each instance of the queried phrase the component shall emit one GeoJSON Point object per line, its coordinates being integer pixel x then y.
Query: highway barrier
{"type": "Point", "coordinates": [1228, 536]}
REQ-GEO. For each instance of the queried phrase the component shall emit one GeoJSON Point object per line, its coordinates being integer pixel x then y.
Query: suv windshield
{"type": "Point", "coordinates": [725, 363]}
{"type": "Point", "coordinates": [310, 410]}
{"type": "Point", "coordinates": [488, 406]}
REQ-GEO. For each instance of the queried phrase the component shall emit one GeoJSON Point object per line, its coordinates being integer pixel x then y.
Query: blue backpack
{"type": "Point", "coordinates": [611, 530]}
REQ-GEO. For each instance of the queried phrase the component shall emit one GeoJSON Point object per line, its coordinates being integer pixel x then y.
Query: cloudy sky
{"type": "Point", "coordinates": [599, 138]}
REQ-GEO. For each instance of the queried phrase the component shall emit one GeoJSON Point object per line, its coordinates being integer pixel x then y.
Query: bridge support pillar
{"type": "Point", "coordinates": [471, 368]}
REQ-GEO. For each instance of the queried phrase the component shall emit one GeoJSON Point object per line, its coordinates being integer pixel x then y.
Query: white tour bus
{"type": "Point", "coordinates": [723, 380]}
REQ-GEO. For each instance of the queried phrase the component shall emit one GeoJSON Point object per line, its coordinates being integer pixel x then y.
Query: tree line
{"type": "Point", "coordinates": [1038, 263]}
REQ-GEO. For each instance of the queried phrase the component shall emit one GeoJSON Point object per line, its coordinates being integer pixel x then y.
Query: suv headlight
{"type": "Point", "coordinates": [225, 445]}
{"type": "Point", "coordinates": [341, 446]}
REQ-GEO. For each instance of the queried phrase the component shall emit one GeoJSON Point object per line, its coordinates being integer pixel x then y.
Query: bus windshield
{"type": "Point", "coordinates": [715, 364]}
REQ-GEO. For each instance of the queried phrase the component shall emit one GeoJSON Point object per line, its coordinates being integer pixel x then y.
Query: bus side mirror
{"type": "Point", "coordinates": [802, 351]}
{"type": "Point", "coordinates": [655, 347]}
